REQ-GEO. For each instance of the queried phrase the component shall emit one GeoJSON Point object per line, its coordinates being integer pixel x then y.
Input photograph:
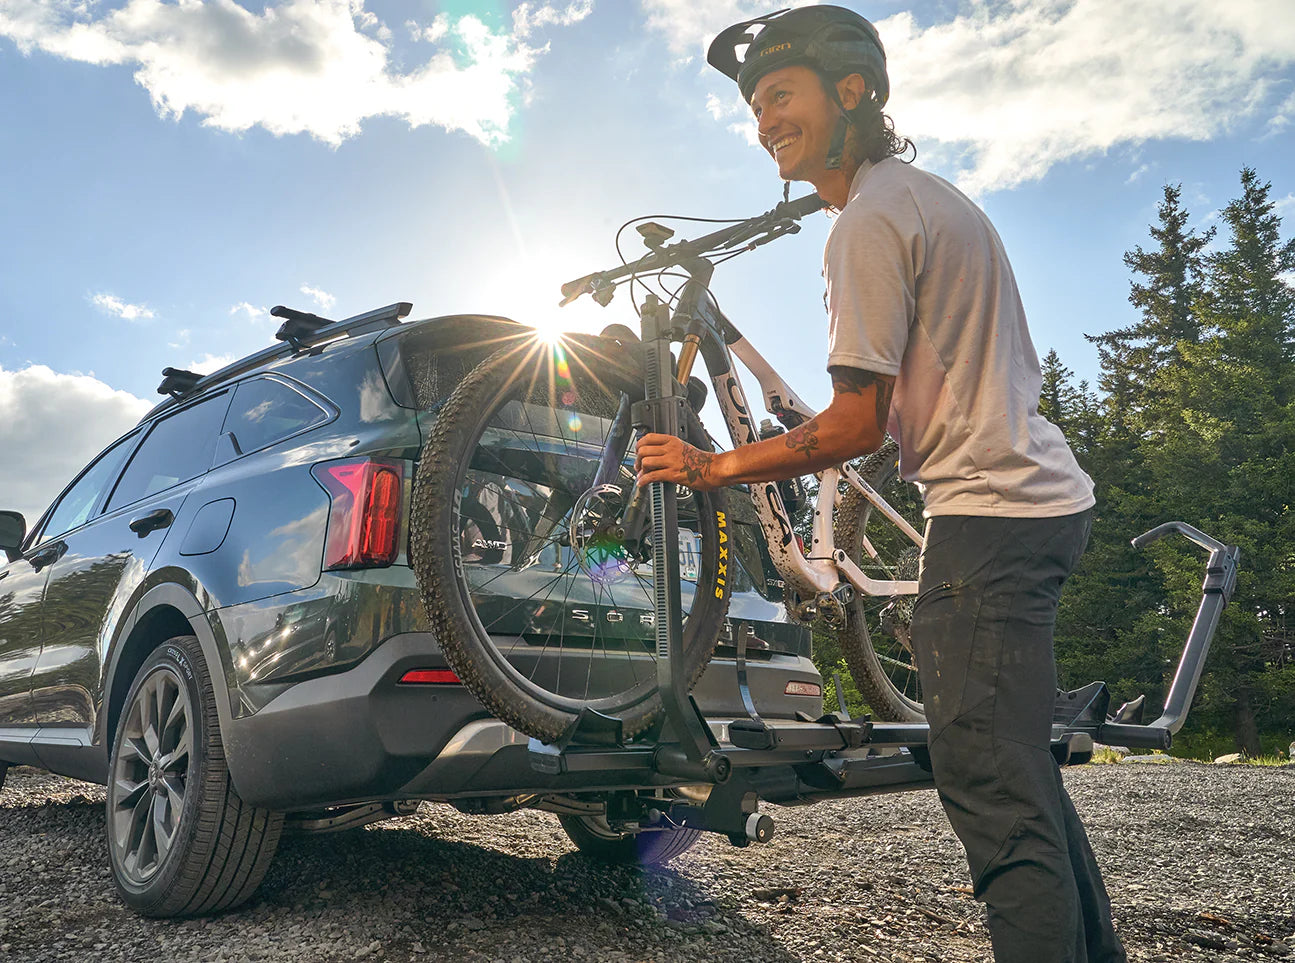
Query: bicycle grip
{"type": "Point", "coordinates": [800, 207]}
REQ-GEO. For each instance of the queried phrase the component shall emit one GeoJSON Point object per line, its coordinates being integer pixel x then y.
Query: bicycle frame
{"type": "Point", "coordinates": [817, 577]}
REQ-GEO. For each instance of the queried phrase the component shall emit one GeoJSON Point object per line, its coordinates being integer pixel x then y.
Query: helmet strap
{"type": "Point", "coordinates": [836, 149]}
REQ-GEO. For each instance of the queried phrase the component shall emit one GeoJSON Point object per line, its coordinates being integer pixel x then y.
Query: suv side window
{"type": "Point", "coordinates": [265, 411]}
{"type": "Point", "coordinates": [74, 508]}
{"type": "Point", "coordinates": [178, 448]}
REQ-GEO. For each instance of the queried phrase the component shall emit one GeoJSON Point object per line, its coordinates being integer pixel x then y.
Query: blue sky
{"type": "Point", "coordinates": [173, 169]}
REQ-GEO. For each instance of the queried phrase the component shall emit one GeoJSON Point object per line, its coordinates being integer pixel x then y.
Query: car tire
{"type": "Point", "coordinates": [595, 838]}
{"type": "Point", "coordinates": [4, 771]}
{"type": "Point", "coordinates": [180, 840]}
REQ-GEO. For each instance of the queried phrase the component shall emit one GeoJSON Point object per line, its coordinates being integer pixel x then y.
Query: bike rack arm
{"type": "Point", "coordinates": [1089, 705]}
{"type": "Point", "coordinates": [1216, 592]}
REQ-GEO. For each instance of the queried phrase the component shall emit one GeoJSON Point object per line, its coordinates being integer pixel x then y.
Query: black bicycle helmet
{"type": "Point", "coordinates": [833, 40]}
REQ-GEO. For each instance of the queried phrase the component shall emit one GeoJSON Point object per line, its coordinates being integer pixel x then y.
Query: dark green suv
{"type": "Point", "coordinates": [218, 620]}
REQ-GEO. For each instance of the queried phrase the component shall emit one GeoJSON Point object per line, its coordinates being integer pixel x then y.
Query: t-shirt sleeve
{"type": "Point", "coordinates": [871, 264]}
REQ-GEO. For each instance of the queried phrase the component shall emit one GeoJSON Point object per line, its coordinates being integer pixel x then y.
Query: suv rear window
{"type": "Point", "coordinates": [265, 411]}
{"type": "Point", "coordinates": [178, 448]}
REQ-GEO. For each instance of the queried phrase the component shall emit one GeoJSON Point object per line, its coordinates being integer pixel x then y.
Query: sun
{"type": "Point", "coordinates": [532, 293]}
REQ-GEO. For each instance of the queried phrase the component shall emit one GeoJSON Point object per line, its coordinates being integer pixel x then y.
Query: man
{"type": "Point", "coordinates": [927, 337]}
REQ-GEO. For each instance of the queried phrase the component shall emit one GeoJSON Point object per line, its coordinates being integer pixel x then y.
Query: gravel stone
{"type": "Point", "coordinates": [1198, 860]}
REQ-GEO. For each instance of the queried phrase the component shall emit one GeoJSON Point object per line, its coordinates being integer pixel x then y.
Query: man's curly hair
{"type": "Point", "coordinates": [873, 138]}
{"type": "Point", "coordinates": [874, 134]}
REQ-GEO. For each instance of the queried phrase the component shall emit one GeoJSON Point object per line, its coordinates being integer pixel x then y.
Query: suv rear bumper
{"type": "Point", "coordinates": [360, 735]}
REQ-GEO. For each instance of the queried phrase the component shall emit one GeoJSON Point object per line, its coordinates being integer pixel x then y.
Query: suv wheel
{"type": "Point", "coordinates": [595, 838]}
{"type": "Point", "coordinates": [180, 840]}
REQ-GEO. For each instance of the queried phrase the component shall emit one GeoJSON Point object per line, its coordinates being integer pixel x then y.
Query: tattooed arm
{"type": "Point", "coordinates": [853, 424]}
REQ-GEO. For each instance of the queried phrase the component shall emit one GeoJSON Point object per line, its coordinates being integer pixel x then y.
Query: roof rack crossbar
{"type": "Point", "coordinates": [383, 317]}
{"type": "Point", "coordinates": [177, 382]}
{"type": "Point", "coordinates": [298, 326]}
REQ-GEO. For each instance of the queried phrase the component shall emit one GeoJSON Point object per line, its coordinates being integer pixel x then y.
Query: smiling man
{"type": "Point", "coordinates": [928, 339]}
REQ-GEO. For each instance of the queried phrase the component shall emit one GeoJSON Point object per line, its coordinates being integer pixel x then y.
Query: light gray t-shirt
{"type": "Point", "coordinates": [918, 286]}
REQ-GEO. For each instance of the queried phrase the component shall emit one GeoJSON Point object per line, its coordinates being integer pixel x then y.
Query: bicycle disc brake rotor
{"type": "Point", "coordinates": [597, 541]}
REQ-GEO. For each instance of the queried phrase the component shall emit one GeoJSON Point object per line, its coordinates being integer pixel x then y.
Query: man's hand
{"type": "Point", "coordinates": [854, 424]}
{"type": "Point", "coordinates": [665, 458]}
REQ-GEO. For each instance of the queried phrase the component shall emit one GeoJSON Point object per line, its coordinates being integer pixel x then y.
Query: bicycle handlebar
{"type": "Point", "coordinates": [752, 231]}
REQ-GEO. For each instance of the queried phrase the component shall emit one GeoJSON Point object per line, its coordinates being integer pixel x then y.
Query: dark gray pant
{"type": "Point", "coordinates": [982, 631]}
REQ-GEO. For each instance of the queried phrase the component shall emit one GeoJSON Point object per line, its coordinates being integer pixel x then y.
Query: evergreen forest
{"type": "Point", "coordinates": [1192, 419]}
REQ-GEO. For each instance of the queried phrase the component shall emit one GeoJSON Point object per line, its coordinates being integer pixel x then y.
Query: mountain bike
{"type": "Point", "coordinates": [536, 551]}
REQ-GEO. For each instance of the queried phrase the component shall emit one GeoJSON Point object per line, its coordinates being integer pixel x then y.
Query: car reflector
{"type": "Point", "coordinates": [430, 677]}
{"type": "Point", "coordinates": [803, 689]}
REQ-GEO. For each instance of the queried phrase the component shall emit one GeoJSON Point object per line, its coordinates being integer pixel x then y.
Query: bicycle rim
{"type": "Point", "coordinates": [539, 608]}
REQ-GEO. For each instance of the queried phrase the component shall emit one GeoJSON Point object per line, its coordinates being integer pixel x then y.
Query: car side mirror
{"type": "Point", "coordinates": [13, 529]}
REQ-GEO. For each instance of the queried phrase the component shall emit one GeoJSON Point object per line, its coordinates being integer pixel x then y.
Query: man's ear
{"type": "Point", "coordinates": [853, 90]}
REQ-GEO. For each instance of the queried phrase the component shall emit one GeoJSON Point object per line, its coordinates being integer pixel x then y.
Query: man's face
{"type": "Point", "coordinates": [796, 119]}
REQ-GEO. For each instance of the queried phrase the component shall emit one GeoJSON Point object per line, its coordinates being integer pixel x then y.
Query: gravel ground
{"type": "Point", "coordinates": [1199, 860]}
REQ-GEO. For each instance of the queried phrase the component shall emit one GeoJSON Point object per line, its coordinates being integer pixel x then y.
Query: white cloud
{"type": "Point", "coordinates": [318, 67]}
{"type": "Point", "coordinates": [1137, 173]}
{"type": "Point", "coordinates": [529, 17]}
{"type": "Point", "coordinates": [37, 405]}
{"type": "Point", "coordinates": [210, 362]}
{"type": "Point", "coordinates": [115, 305]}
{"type": "Point", "coordinates": [252, 312]}
{"type": "Point", "coordinates": [1284, 205]}
{"type": "Point", "coordinates": [1009, 88]}
{"type": "Point", "coordinates": [434, 32]}
{"type": "Point", "coordinates": [322, 299]}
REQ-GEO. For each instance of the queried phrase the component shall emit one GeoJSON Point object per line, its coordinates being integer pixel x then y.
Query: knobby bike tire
{"type": "Point", "coordinates": [510, 604]}
{"type": "Point", "coordinates": [875, 639]}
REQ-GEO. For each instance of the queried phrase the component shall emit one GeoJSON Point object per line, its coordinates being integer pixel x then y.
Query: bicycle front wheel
{"type": "Point", "coordinates": [876, 639]}
{"type": "Point", "coordinates": [537, 602]}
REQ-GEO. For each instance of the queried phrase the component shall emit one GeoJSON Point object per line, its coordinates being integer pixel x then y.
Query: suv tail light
{"type": "Point", "coordinates": [364, 521]}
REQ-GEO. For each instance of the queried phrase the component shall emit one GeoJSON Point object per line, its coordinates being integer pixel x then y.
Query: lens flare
{"type": "Point", "coordinates": [563, 387]}
{"type": "Point", "coordinates": [574, 424]}
{"type": "Point", "coordinates": [604, 560]}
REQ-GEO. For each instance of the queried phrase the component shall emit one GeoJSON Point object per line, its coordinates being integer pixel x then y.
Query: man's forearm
{"type": "Point", "coordinates": [822, 442]}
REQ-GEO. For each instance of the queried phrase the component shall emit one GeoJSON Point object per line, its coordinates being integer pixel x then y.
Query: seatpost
{"type": "Point", "coordinates": [662, 412]}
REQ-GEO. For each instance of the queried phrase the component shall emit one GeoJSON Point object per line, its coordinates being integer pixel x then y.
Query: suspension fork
{"type": "Point", "coordinates": [635, 521]}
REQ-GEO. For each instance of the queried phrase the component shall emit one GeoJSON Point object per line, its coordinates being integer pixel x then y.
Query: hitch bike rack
{"type": "Point", "coordinates": [745, 761]}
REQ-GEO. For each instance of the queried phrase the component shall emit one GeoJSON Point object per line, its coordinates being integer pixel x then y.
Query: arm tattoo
{"type": "Point", "coordinates": [696, 465]}
{"type": "Point", "coordinates": [804, 439]}
{"type": "Point", "coordinates": [854, 381]}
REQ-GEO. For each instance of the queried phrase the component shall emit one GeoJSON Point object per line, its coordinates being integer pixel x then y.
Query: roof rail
{"type": "Point", "coordinates": [383, 317]}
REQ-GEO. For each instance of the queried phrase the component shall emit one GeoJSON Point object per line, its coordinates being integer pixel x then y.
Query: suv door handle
{"type": "Point", "coordinates": [47, 555]}
{"type": "Point", "coordinates": [151, 522]}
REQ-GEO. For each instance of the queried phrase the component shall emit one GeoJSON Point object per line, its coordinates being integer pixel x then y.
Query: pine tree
{"type": "Point", "coordinates": [1131, 357]}
{"type": "Point", "coordinates": [1224, 457]}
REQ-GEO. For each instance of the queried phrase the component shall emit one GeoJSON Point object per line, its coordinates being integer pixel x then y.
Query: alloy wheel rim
{"type": "Point", "coordinates": [151, 775]}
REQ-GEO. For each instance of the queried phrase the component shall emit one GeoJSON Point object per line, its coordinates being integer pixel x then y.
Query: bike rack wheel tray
{"type": "Point", "coordinates": [744, 761]}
